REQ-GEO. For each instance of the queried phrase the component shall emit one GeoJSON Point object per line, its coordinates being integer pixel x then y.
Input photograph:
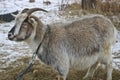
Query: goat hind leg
{"type": "Point", "coordinates": [109, 71]}
{"type": "Point", "coordinates": [90, 72]}
{"type": "Point", "coordinates": [108, 62]}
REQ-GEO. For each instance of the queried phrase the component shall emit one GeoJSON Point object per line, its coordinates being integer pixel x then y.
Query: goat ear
{"type": "Point", "coordinates": [32, 21]}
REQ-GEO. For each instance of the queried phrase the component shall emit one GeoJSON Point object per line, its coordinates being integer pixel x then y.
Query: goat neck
{"type": "Point", "coordinates": [37, 34]}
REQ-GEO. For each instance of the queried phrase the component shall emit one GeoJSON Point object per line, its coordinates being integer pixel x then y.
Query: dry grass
{"type": "Point", "coordinates": [106, 9]}
{"type": "Point", "coordinates": [43, 72]}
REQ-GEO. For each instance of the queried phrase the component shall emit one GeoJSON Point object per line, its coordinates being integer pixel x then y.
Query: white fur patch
{"type": "Point", "coordinates": [19, 20]}
{"type": "Point", "coordinates": [84, 62]}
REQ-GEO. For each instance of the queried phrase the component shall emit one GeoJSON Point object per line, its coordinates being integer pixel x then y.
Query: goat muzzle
{"type": "Point", "coordinates": [11, 36]}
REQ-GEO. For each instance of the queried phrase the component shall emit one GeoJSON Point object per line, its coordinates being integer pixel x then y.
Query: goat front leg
{"type": "Point", "coordinates": [63, 71]}
{"type": "Point", "coordinates": [61, 77]}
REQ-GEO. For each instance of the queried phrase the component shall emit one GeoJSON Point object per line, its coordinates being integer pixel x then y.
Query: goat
{"type": "Point", "coordinates": [79, 44]}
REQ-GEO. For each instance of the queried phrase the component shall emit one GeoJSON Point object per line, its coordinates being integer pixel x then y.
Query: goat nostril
{"type": "Point", "coordinates": [9, 34]}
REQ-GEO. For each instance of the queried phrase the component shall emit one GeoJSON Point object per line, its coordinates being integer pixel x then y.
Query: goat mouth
{"type": "Point", "coordinates": [14, 38]}
{"type": "Point", "coordinates": [10, 38]}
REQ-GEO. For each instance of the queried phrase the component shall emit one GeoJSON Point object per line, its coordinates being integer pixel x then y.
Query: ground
{"type": "Point", "coordinates": [42, 72]}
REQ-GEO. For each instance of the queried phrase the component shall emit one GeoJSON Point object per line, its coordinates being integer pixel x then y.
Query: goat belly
{"type": "Point", "coordinates": [83, 62]}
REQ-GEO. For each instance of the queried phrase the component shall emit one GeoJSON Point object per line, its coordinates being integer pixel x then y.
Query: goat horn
{"type": "Point", "coordinates": [24, 10]}
{"type": "Point", "coordinates": [30, 11]}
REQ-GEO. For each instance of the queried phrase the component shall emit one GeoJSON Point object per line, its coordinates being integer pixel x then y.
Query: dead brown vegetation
{"type": "Point", "coordinates": [31, 1]}
{"type": "Point", "coordinates": [43, 72]}
{"type": "Point", "coordinates": [46, 2]}
{"type": "Point", "coordinates": [109, 6]}
{"type": "Point", "coordinates": [109, 9]}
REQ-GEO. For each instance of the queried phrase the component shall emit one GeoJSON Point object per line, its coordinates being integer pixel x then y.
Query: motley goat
{"type": "Point", "coordinates": [78, 44]}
